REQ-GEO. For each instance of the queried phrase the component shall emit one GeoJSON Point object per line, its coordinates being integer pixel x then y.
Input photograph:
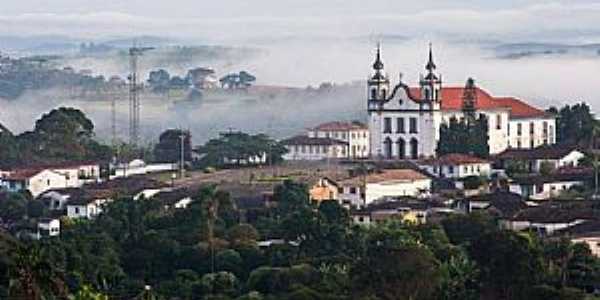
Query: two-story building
{"type": "Point", "coordinates": [355, 134]}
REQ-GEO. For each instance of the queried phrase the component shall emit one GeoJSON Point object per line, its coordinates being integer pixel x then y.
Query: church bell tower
{"type": "Point", "coordinates": [431, 84]}
{"type": "Point", "coordinates": [378, 85]}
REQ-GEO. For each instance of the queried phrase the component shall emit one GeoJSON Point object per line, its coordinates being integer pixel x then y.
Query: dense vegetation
{"type": "Point", "coordinates": [461, 136]}
{"type": "Point", "coordinates": [238, 148]}
{"type": "Point", "coordinates": [575, 125]}
{"type": "Point", "coordinates": [63, 134]}
{"type": "Point", "coordinates": [205, 252]}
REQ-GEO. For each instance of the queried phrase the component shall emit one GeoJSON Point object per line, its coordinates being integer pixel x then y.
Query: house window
{"type": "Point", "coordinates": [450, 169]}
{"type": "Point", "coordinates": [508, 129]}
{"type": "Point", "coordinates": [48, 182]}
{"type": "Point", "coordinates": [400, 128]}
{"type": "Point", "coordinates": [413, 125]}
{"type": "Point", "coordinates": [545, 128]}
{"type": "Point", "coordinates": [341, 190]}
{"type": "Point", "coordinates": [387, 125]}
{"type": "Point", "coordinates": [352, 190]}
{"type": "Point", "coordinates": [519, 129]}
{"type": "Point", "coordinates": [498, 121]}
{"type": "Point", "coordinates": [519, 144]}
{"type": "Point", "coordinates": [343, 135]}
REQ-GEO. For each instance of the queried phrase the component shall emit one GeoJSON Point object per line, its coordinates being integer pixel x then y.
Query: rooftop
{"type": "Point", "coordinates": [305, 140]}
{"type": "Point", "coordinates": [452, 99]}
{"type": "Point", "coordinates": [549, 214]}
{"type": "Point", "coordinates": [506, 204]}
{"type": "Point", "coordinates": [341, 126]}
{"type": "Point", "coordinates": [542, 152]}
{"type": "Point", "coordinates": [390, 175]}
{"type": "Point", "coordinates": [455, 159]}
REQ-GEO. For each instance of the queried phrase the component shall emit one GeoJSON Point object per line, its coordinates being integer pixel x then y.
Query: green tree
{"type": "Point", "coordinates": [461, 136]}
{"type": "Point", "coordinates": [169, 146]}
{"type": "Point", "coordinates": [13, 206]}
{"type": "Point", "coordinates": [86, 293]}
{"type": "Point", "coordinates": [238, 148]}
{"type": "Point", "coordinates": [509, 263]}
{"type": "Point", "coordinates": [574, 124]}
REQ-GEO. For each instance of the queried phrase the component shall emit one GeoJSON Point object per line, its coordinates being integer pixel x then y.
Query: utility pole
{"type": "Point", "coordinates": [182, 157]}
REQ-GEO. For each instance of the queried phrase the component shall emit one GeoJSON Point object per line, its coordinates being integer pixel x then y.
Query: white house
{"type": "Point", "coordinates": [456, 166]}
{"type": "Point", "coordinates": [312, 148]}
{"type": "Point", "coordinates": [404, 122]}
{"type": "Point", "coordinates": [48, 228]}
{"type": "Point", "coordinates": [554, 156]}
{"type": "Point", "coordinates": [355, 134]}
{"type": "Point", "coordinates": [57, 199]}
{"type": "Point", "coordinates": [362, 190]}
{"type": "Point", "coordinates": [36, 181]}
{"type": "Point", "coordinates": [85, 208]}
{"type": "Point", "coordinates": [544, 187]}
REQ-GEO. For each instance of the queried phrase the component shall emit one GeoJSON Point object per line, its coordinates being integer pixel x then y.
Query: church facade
{"type": "Point", "coordinates": [404, 121]}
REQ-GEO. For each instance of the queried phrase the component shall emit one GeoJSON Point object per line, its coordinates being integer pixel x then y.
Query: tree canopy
{"type": "Point", "coordinates": [461, 136]}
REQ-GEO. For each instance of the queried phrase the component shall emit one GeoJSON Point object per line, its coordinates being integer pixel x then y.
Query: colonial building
{"type": "Point", "coordinates": [356, 134]}
{"type": "Point", "coordinates": [314, 148]}
{"type": "Point", "coordinates": [405, 121]}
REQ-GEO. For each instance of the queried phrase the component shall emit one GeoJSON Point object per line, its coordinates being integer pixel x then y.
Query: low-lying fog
{"type": "Point", "coordinates": [541, 80]}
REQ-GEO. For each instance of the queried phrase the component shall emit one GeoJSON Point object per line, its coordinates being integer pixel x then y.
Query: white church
{"type": "Point", "coordinates": [404, 122]}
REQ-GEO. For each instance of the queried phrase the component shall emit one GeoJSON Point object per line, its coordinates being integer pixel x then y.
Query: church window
{"type": "Point", "coordinates": [498, 121]}
{"type": "Point", "coordinates": [545, 128]}
{"type": "Point", "coordinates": [531, 128]}
{"type": "Point", "coordinates": [387, 125]}
{"type": "Point", "coordinates": [531, 144]}
{"type": "Point", "coordinates": [383, 94]}
{"type": "Point", "coordinates": [401, 148]}
{"type": "Point", "coordinates": [519, 129]}
{"type": "Point", "coordinates": [303, 149]}
{"type": "Point", "coordinates": [413, 125]}
{"type": "Point", "coordinates": [400, 128]}
{"type": "Point", "coordinates": [427, 94]}
{"type": "Point", "coordinates": [387, 147]}
{"type": "Point", "coordinates": [414, 148]}
{"type": "Point", "coordinates": [373, 94]}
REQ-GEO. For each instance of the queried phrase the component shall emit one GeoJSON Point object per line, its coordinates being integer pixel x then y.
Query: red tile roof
{"type": "Point", "coordinates": [23, 174]}
{"type": "Point", "coordinates": [455, 159]}
{"type": "Point", "coordinates": [387, 175]}
{"type": "Point", "coordinates": [452, 99]}
{"type": "Point", "coordinates": [340, 126]}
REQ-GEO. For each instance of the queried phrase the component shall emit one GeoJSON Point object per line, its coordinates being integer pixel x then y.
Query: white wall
{"type": "Point", "coordinates": [357, 139]}
{"type": "Point", "coordinates": [459, 171]}
{"type": "Point", "coordinates": [46, 180]}
{"type": "Point", "coordinates": [375, 191]}
{"type": "Point", "coordinates": [525, 139]}
{"type": "Point", "coordinates": [315, 152]}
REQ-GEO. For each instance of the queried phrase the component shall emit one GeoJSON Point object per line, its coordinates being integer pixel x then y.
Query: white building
{"type": "Point", "coordinates": [355, 134]}
{"type": "Point", "coordinates": [363, 190]}
{"type": "Point", "coordinates": [405, 122]}
{"type": "Point", "coordinates": [48, 228]}
{"type": "Point", "coordinates": [312, 148]}
{"type": "Point", "coordinates": [35, 181]}
{"type": "Point", "coordinates": [554, 157]}
{"type": "Point", "coordinates": [85, 208]}
{"type": "Point", "coordinates": [544, 187]}
{"type": "Point", "coordinates": [456, 166]}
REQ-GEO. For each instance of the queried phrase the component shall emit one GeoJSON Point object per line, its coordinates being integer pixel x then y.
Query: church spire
{"type": "Point", "coordinates": [430, 64]}
{"type": "Point", "coordinates": [378, 64]}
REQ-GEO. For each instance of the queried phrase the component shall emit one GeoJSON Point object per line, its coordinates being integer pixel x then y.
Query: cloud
{"type": "Point", "coordinates": [564, 20]}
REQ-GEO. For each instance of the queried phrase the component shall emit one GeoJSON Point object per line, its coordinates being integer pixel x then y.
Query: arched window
{"type": "Point", "coordinates": [383, 94]}
{"type": "Point", "coordinates": [427, 94]}
{"type": "Point", "coordinates": [374, 94]}
{"type": "Point", "coordinates": [387, 148]}
{"type": "Point", "coordinates": [414, 148]}
{"type": "Point", "coordinates": [401, 144]}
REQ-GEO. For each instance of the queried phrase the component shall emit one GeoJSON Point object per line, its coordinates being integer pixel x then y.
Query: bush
{"type": "Point", "coordinates": [473, 182]}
